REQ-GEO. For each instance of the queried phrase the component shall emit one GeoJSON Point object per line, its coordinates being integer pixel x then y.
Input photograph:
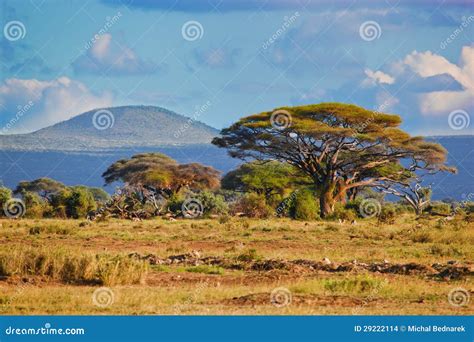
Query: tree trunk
{"type": "Point", "coordinates": [326, 200]}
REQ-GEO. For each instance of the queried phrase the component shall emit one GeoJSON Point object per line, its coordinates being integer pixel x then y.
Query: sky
{"type": "Point", "coordinates": [221, 60]}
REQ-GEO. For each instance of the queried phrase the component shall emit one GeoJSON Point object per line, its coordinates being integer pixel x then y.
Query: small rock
{"type": "Point", "coordinates": [326, 261]}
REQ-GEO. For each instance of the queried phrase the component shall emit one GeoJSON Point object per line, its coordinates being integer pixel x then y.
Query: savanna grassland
{"type": "Point", "coordinates": [232, 266]}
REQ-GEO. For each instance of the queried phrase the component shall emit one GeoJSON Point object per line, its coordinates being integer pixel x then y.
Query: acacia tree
{"type": "Point", "coordinates": [44, 187]}
{"type": "Point", "coordinates": [161, 174]}
{"type": "Point", "coordinates": [264, 178]}
{"type": "Point", "coordinates": [342, 147]}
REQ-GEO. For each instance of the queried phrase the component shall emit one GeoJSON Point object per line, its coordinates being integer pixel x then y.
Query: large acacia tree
{"type": "Point", "coordinates": [342, 147]}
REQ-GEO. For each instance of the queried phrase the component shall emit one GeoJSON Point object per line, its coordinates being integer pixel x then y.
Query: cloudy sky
{"type": "Point", "coordinates": [237, 57]}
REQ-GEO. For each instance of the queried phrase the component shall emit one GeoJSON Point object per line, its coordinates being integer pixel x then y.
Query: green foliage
{"type": "Point", "coordinates": [361, 284]}
{"type": "Point", "coordinates": [253, 205]}
{"type": "Point", "coordinates": [342, 213]}
{"type": "Point", "coordinates": [5, 195]}
{"type": "Point", "coordinates": [249, 255]}
{"type": "Point", "coordinates": [271, 178]}
{"type": "Point", "coordinates": [387, 214]}
{"type": "Point", "coordinates": [79, 202]}
{"type": "Point", "coordinates": [36, 207]}
{"type": "Point", "coordinates": [304, 206]}
{"type": "Point", "coordinates": [212, 204]}
{"type": "Point", "coordinates": [162, 173]}
{"type": "Point", "coordinates": [439, 208]}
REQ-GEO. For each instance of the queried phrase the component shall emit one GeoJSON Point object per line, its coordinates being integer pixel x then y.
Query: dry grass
{"type": "Point", "coordinates": [54, 266]}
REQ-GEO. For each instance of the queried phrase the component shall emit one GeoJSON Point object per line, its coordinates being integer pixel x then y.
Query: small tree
{"type": "Point", "coordinates": [44, 187]}
{"type": "Point", "coordinates": [161, 174]}
{"type": "Point", "coordinates": [5, 196]}
{"type": "Point", "coordinates": [417, 196]}
{"type": "Point", "coordinates": [269, 179]}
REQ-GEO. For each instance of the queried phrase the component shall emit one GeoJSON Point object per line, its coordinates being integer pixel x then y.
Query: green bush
{"type": "Point", "coordinates": [387, 214]}
{"type": "Point", "coordinates": [79, 203]}
{"type": "Point", "coordinates": [35, 206]}
{"type": "Point", "coordinates": [212, 204]}
{"type": "Point", "coordinates": [439, 208]}
{"type": "Point", "coordinates": [342, 213]}
{"type": "Point", "coordinates": [252, 205]}
{"type": "Point", "coordinates": [5, 195]}
{"type": "Point", "coordinates": [304, 206]}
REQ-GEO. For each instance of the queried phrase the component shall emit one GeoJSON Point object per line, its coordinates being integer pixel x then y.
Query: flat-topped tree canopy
{"type": "Point", "coordinates": [161, 172]}
{"type": "Point", "coordinates": [340, 146]}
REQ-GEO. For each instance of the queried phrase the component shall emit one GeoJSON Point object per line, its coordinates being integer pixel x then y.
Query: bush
{"type": "Point", "coordinates": [5, 195]}
{"type": "Point", "coordinates": [253, 205]}
{"type": "Point", "coordinates": [439, 208]}
{"type": "Point", "coordinates": [212, 204]}
{"type": "Point", "coordinates": [35, 206]}
{"type": "Point", "coordinates": [79, 203]}
{"type": "Point", "coordinates": [387, 214]}
{"type": "Point", "coordinates": [342, 213]}
{"type": "Point", "coordinates": [304, 206]}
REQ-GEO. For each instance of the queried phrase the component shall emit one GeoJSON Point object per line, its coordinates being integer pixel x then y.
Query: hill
{"type": "Point", "coordinates": [113, 128]}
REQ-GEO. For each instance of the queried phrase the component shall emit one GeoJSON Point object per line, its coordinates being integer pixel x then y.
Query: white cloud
{"type": "Point", "coordinates": [110, 57]}
{"type": "Point", "coordinates": [377, 77]}
{"type": "Point", "coordinates": [52, 101]}
{"type": "Point", "coordinates": [426, 64]}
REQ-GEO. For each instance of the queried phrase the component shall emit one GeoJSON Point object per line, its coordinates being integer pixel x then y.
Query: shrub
{"type": "Point", "coordinates": [5, 195]}
{"type": "Point", "coordinates": [342, 213]}
{"type": "Point", "coordinates": [253, 205]}
{"type": "Point", "coordinates": [387, 214]}
{"type": "Point", "coordinates": [212, 204]}
{"type": "Point", "coordinates": [35, 206]}
{"type": "Point", "coordinates": [439, 208]}
{"type": "Point", "coordinates": [358, 285]}
{"type": "Point", "coordinates": [248, 255]}
{"type": "Point", "coordinates": [304, 206]}
{"type": "Point", "coordinates": [79, 203]}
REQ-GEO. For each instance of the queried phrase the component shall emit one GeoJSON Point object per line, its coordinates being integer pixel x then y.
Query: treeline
{"type": "Point", "coordinates": [153, 184]}
{"type": "Point", "coordinates": [328, 160]}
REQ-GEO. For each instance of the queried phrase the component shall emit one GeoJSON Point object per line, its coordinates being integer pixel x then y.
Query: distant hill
{"type": "Point", "coordinates": [112, 128]}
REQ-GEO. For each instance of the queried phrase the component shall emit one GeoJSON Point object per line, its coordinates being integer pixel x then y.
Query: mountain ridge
{"type": "Point", "coordinates": [112, 128]}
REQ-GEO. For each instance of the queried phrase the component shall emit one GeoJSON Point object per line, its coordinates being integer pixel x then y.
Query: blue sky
{"type": "Point", "coordinates": [236, 58]}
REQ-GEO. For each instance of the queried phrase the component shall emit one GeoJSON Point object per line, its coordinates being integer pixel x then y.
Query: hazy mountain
{"type": "Point", "coordinates": [112, 128]}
